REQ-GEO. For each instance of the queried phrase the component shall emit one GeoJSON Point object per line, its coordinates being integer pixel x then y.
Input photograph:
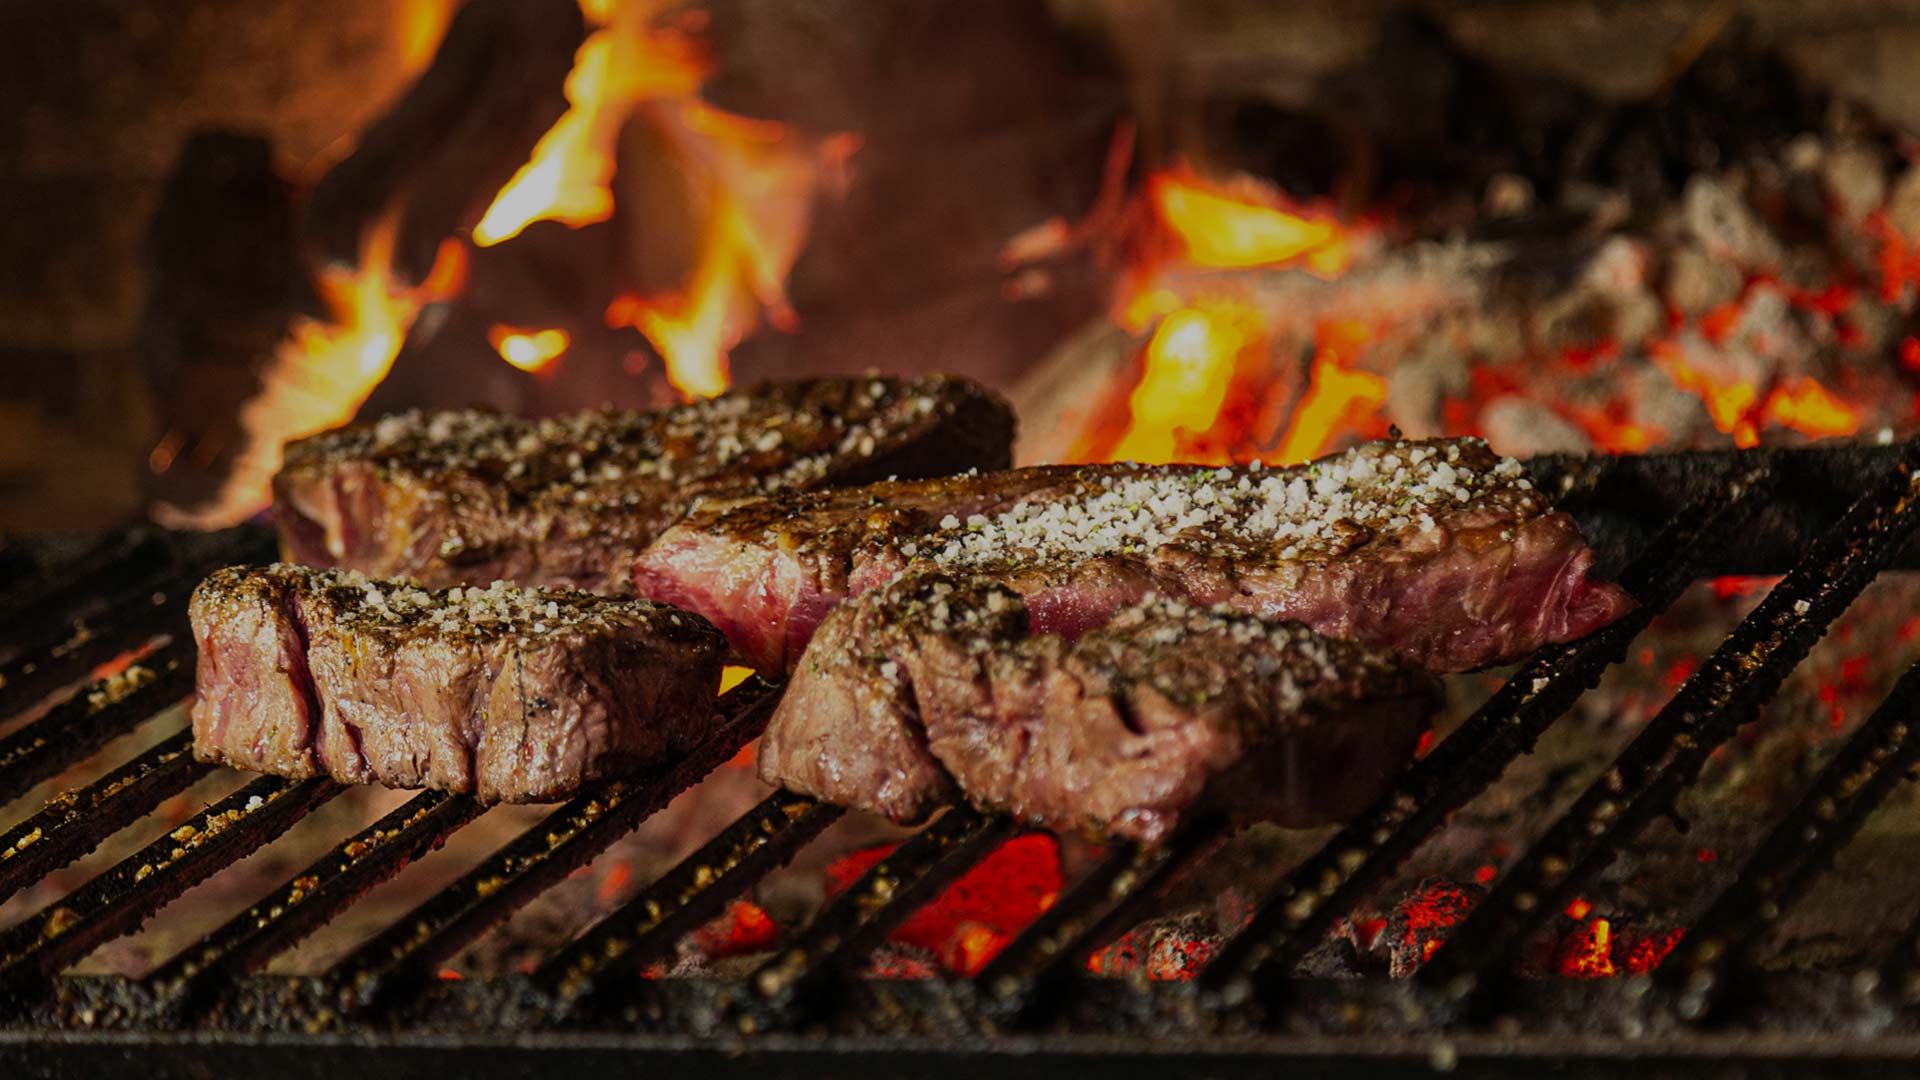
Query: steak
{"type": "Point", "coordinates": [767, 570]}
{"type": "Point", "coordinates": [465, 497]}
{"type": "Point", "coordinates": [934, 686]}
{"type": "Point", "coordinates": [1439, 550]}
{"type": "Point", "coordinates": [504, 693]}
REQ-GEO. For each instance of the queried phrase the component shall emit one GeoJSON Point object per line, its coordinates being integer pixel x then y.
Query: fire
{"type": "Point", "coordinates": [1337, 398]}
{"type": "Point", "coordinates": [325, 369]}
{"type": "Point", "coordinates": [422, 23]}
{"type": "Point", "coordinates": [758, 179]}
{"type": "Point", "coordinates": [752, 183]}
{"type": "Point", "coordinates": [969, 922]}
{"type": "Point", "coordinates": [532, 351]}
{"type": "Point", "coordinates": [567, 179]}
{"type": "Point", "coordinates": [1246, 224]}
{"type": "Point", "coordinates": [1589, 953]}
{"type": "Point", "coordinates": [1738, 408]}
{"type": "Point", "coordinates": [1206, 338]}
{"type": "Point", "coordinates": [1188, 365]}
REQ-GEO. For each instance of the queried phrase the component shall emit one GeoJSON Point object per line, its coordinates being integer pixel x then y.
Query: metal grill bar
{"type": "Point", "coordinates": [63, 591]}
{"type": "Point", "coordinates": [74, 822]}
{"type": "Point", "coordinates": [648, 926]}
{"type": "Point", "coordinates": [107, 708]}
{"type": "Point", "coordinates": [119, 899]}
{"type": "Point", "coordinates": [860, 918]}
{"type": "Point", "coordinates": [302, 905]}
{"type": "Point", "coordinates": [1031, 970]}
{"type": "Point", "coordinates": [64, 646]}
{"type": "Point", "coordinates": [1900, 972]}
{"type": "Point", "coordinates": [1295, 916]}
{"type": "Point", "coordinates": [17, 565]}
{"type": "Point", "coordinates": [405, 955]}
{"type": "Point", "coordinates": [1721, 696]}
{"type": "Point", "coordinates": [1801, 847]}
{"type": "Point", "coordinates": [51, 664]}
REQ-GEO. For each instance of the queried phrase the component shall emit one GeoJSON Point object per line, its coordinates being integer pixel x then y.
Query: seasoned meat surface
{"type": "Point", "coordinates": [508, 694]}
{"type": "Point", "coordinates": [1438, 550]}
{"type": "Point", "coordinates": [933, 685]}
{"type": "Point", "coordinates": [464, 497]}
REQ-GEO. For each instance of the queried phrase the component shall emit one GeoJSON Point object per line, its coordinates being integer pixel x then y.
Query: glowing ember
{"type": "Point", "coordinates": [531, 351]}
{"type": "Point", "coordinates": [968, 923]}
{"type": "Point", "coordinates": [322, 373]}
{"type": "Point", "coordinates": [1588, 954]}
{"type": "Point", "coordinates": [1418, 926]}
{"type": "Point", "coordinates": [1647, 953]}
{"type": "Point", "coordinates": [1738, 407]}
{"type": "Point", "coordinates": [1164, 954]}
{"type": "Point", "coordinates": [743, 928]}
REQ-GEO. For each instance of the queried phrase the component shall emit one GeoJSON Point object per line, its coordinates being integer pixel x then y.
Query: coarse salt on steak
{"type": "Point", "coordinates": [468, 497]}
{"type": "Point", "coordinates": [1439, 550]}
{"type": "Point", "coordinates": [508, 694]}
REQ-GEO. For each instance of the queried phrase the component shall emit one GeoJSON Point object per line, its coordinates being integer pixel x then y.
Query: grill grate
{"type": "Point", "coordinates": [1832, 518]}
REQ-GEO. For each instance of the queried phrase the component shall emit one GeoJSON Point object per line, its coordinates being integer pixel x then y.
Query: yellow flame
{"type": "Point", "coordinates": [422, 24]}
{"type": "Point", "coordinates": [1337, 399]}
{"type": "Point", "coordinates": [1246, 226]}
{"type": "Point", "coordinates": [567, 178]}
{"type": "Point", "coordinates": [322, 373]}
{"type": "Point", "coordinates": [529, 350]}
{"type": "Point", "coordinates": [759, 182]}
{"type": "Point", "coordinates": [1189, 364]}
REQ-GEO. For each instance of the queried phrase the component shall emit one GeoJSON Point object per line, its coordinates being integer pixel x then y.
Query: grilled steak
{"type": "Point", "coordinates": [468, 497]}
{"type": "Point", "coordinates": [934, 685]}
{"type": "Point", "coordinates": [1440, 551]}
{"type": "Point", "coordinates": [509, 694]}
{"type": "Point", "coordinates": [767, 570]}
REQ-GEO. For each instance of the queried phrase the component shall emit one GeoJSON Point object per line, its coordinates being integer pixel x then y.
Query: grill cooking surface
{"type": "Point", "coordinates": [1828, 519]}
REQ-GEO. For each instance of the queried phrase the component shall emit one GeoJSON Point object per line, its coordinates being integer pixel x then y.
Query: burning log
{"type": "Point", "coordinates": [454, 140]}
{"type": "Point", "coordinates": [226, 279]}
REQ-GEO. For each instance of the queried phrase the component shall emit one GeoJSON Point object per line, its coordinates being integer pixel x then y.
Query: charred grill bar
{"type": "Point", "coordinates": [1828, 518]}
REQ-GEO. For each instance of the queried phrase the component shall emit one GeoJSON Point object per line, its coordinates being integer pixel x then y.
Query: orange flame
{"type": "Point", "coordinates": [1206, 335]}
{"type": "Point", "coordinates": [755, 184]}
{"type": "Point", "coordinates": [422, 24]}
{"type": "Point", "coordinates": [1188, 365]}
{"type": "Point", "coordinates": [1739, 409]}
{"type": "Point", "coordinates": [1246, 224]}
{"type": "Point", "coordinates": [759, 184]}
{"type": "Point", "coordinates": [1337, 399]}
{"type": "Point", "coordinates": [324, 370]}
{"type": "Point", "coordinates": [532, 351]}
{"type": "Point", "coordinates": [567, 178]}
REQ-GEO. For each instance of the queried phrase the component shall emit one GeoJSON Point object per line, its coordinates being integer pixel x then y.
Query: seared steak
{"type": "Point", "coordinates": [934, 684]}
{"type": "Point", "coordinates": [1440, 550]}
{"type": "Point", "coordinates": [509, 694]}
{"type": "Point", "coordinates": [767, 570]}
{"type": "Point", "coordinates": [469, 497]}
